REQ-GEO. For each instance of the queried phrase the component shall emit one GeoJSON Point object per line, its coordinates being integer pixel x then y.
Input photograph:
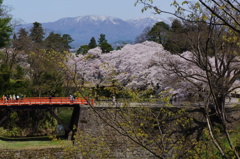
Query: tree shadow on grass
{"type": "Point", "coordinates": [33, 138]}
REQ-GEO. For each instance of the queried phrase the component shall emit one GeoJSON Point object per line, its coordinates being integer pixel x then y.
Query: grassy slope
{"type": "Point", "coordinates": [33, 144]}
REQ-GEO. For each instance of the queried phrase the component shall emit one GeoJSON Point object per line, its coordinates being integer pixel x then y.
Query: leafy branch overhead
{"type": "Point", "coordinates": [227, 12]}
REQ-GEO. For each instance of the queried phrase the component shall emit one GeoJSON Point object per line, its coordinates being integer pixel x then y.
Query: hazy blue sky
{"type": "Point", "coordinates": [51, 10]}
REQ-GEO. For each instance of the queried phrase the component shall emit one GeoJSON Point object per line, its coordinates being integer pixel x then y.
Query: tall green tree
{"type": "Point", "coordinates": [67, 40]}
{"type": "Point", "coordinates": [102, 39]}
{"type": "Point", "coordinates": [83, 50]}
{"type": "Point", "coordinates": [176, 26]}
{"type": "Point", "coordinates": [22, 41]}
{"type": "Point", "coordinates": [159, 33]}
{"type": "Point", "coordinates": [37, 33]}
{"type": "Point", "coordinates": [4, 79]}
{"type": "Point", "coordinates": [57, 42]}
{"type": "Point", "coordinates": [177, 41]}
{"type": "Point", "coordinates": [5, 27]}
{"type": "Point", "coordinates": [92, 44]}
{"type": "Point", "coordinates": [103, 44]}
{"type": "Point", "coordinates": [5, 33]}
{"type": "Point", "coordinates": [22, 34]}
{"type": "Point", "coordinates": [106, 47]}
{"type": "Point", "coordinates": [46, 75]}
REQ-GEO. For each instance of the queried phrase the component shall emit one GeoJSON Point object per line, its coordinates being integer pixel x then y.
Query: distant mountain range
{"type": "Point", "coordinates": [83, 28]}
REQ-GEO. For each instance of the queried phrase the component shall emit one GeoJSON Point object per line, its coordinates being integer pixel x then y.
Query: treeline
{"type": "Point", "coordinates": [102, 43]}
{"type": "Point", "coordinates": [31, 63]}
{"type": "Point", "coordinates": [176, 37]}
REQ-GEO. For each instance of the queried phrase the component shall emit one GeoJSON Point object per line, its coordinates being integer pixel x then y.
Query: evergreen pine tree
{"type": "Point", "coordinates": [37, 32]}
{"type": "Point", "coordinates": [22, 34]}
{"type": "Point", "coordinates": [159, 33]}
{"type": "Point", "coordinates": [5, 27]}
{"type": "Point", "coordinates": [92, 43]}
{"type": "Point", "coordinates": [22, 40]}
{"type": "Point", "coordinates": [104, 45]}
{"type": "Point", "coordinates": [67, 39]}
{"type": "Point", "coordinates": [57, 42]}
{"type": "Point", "coordinates": [83, 50]}
{"type": "Point", "coordinates": [102, 39]}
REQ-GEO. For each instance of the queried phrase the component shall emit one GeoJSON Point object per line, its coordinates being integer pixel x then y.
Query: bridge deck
{"type": "Point", "coordinates": [45, 101]}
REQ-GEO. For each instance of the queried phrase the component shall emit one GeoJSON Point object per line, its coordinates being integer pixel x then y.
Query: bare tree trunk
{"type": "Point", "coordinates": [210, 129]}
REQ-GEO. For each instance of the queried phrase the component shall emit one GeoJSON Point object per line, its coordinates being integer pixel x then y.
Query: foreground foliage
{"type": "Point", "coordinates": [165, 132]}
{"type": "Point", "coordinates": [87, 146]}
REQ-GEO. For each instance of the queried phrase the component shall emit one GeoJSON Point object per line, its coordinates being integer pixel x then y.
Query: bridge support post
{"type": "Point", "coordinates": [78, 120]}
{"type": "Point", "coordinates": [73, 125]}
{"type": "Point", "coordinates": [6, 116]}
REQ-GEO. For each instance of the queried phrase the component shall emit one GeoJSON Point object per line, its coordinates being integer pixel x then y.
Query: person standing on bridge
{"type": "Point", "coordinates": [50, 98]}
{"type": "Point", "coordinates": [13, 97]}
{"type": "Point", "coordinates": [4, 98]}
{"type": "Point", "coordinates": [10, 97]}
{"type": "Point", "coordinates": [71, 98]}
{"type": "Point", "coordinates": [17, 97]}
{"type": "Point", "coordinates": [22, 97]}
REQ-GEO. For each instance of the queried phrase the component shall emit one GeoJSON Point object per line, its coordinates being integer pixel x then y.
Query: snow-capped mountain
{"type": "Point", "coordinates": [143, 22]}
{"type": "Point", "coordinates": [83, 28]}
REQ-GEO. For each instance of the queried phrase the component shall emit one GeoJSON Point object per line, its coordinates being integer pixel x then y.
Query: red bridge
{"type": "Point", "coordinates": [46, 101]}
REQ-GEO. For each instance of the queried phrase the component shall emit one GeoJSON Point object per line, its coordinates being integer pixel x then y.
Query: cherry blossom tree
{"type": "Point", "coordinates": [140, 66]}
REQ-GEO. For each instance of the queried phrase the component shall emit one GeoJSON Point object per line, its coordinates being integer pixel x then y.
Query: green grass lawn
{"type": "Point", "coordinates": [20, 145]}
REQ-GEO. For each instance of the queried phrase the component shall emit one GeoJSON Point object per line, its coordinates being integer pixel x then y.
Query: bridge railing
{"type": "Point", "coordinates": [46, 100]}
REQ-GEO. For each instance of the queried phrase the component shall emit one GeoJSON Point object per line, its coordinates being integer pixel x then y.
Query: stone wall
{"type": "Point", "coordinates": [120, 146]}
{"type": "Point", "coordinates": [99, 122]}
{"type": "Point", "coordinates": [49, 153]}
